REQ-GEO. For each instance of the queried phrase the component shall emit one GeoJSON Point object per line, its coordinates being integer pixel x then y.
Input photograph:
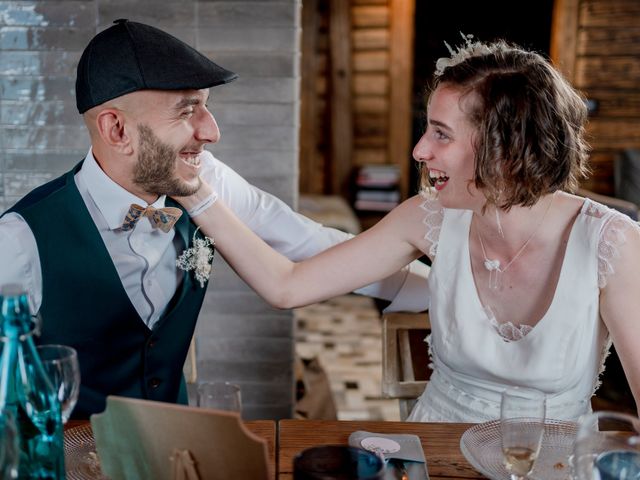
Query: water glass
{"type": "Point", "coordinates": [522, 417]}
{"type": "Point", "coordinates": [61, 365]}
{"type": "Point", "coordinates": [220, 396]}
{"type": "Point", "coordinates": [607, 447]}
{"type": "Point", "coordinates": [337, 462]}
{"type": "Point", "coordinates": [9, 446]}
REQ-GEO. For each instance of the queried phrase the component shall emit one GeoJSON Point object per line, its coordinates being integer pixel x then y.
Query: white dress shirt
{"type": "Point", "coordinates": [145, 257]}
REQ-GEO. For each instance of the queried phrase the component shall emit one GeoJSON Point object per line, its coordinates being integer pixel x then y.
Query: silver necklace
{"type": "Point", "coordinates": [493, 264]}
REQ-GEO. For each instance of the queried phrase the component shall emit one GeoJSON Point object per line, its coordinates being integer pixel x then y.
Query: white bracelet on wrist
{"type": "Point", "coordinates": [206, 203]}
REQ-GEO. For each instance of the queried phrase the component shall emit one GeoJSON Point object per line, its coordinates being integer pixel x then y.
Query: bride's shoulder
{"type": "Point", "coordinates": [423, 216]}
{"type": "Point", "coordinates": [429, 202]}
{"type": "Point", "coordinates": [422, 204]}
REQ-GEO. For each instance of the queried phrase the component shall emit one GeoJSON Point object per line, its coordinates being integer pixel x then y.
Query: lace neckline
{"type": "Point", "coordinates": [509, 332]}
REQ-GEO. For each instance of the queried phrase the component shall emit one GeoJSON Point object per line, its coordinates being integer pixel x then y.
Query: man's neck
{"type": "Point", "coordinates": [122, 178]}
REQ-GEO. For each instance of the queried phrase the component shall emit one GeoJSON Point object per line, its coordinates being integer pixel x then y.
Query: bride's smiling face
{"type": "Point", "coordinates": [446, 149]}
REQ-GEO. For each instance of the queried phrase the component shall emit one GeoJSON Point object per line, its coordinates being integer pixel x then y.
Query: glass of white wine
{"type": "Point", "coordinates": [522, 416]}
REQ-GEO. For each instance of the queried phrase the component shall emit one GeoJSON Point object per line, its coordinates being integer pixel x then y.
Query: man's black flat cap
{"type": "Point", "coordinates": [131, 56]}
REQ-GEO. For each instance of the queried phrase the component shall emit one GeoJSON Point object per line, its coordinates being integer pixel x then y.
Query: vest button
{"type": "Point", "coordinates": [154, 382]}
{"type": "Point", "coordinates": [152, 343]}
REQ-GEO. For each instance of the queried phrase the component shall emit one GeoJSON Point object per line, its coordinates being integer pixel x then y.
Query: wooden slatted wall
{"type": "Point", "coordinates": [357, 60]}
{"type": "Point", "coordinates": [597, 45]}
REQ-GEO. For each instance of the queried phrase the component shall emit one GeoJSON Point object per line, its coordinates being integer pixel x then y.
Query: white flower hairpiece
{"type": "Point", "coordinates": [198, 258]}
{"type": "Point", "coordinates": [460, 54]}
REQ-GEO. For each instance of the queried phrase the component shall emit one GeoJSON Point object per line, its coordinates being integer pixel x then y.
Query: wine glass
{"type": "Point", "coordinates": [9, 447]}
{"type": "Point", "coordinates": [607, 447]}
{"type": "Point", "coordinates": [522, 416]}
{"type": "Point", "coordinates": [220, 396]}
{"type": "Point", "coordinates": [61, 365]}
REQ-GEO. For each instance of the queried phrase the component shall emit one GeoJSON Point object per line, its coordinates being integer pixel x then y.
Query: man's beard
{"type": "Point", "coordinates": [155, 171]}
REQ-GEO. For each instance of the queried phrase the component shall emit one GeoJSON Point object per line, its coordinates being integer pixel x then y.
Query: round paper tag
{"type": "Point", "coordinates": [380, 444]}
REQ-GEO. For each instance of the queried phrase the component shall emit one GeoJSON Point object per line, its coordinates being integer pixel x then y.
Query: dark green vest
{"type": "Point", "coordinates": [84, 304]}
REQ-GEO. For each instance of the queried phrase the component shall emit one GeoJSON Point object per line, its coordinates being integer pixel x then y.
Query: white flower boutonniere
{"type": "Point", "coordinates": [198, 258]}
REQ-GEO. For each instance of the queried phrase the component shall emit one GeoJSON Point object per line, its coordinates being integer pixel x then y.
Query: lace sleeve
{"type": "Point", "coordinates": [612, 237]}
{"type": "Point", "coordinates": [433, 220]}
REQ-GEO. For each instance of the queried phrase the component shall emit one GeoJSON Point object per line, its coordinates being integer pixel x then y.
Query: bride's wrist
{"type": "Point", "coordinates": [200, 206]}
{"type": "Point", "coordinates": [199, 201]}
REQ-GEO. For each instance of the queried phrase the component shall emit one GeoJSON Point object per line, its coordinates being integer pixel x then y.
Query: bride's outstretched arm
{"type": "Point", "coordinates": [370, 256]}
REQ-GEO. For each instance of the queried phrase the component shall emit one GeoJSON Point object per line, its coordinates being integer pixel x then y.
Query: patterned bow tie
{"type": "Point", "coordinates": [162, 218]}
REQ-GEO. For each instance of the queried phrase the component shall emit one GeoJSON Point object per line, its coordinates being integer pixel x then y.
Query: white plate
{"type": "Point", "coordinates": [80, 458]}
{"type": "Point", "coordinates": [481, 446]}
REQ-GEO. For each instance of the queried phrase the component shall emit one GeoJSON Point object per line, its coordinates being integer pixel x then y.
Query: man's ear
{"type": "Point", "coordinates": [111, 127]}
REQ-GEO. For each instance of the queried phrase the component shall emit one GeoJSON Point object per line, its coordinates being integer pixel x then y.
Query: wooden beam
{"type": "Point", "coordinates": [309, 160]}
{"type": "Point", "coordinates": [614, 134]}
{"type": "Point", "coordinates": [370, 39]}
{"type": "Point", "coordinates": [372, 61]}
{"type": "Point", "coordinates": [609, 13]}
{"type": "Point", "coordinates": [370, 16]}
{"type": "Point", "coordinates": [370, 104]}
{"type": "Point", "coordinates": [400, 81]}
{"type": "Point", "coordinates": [612, 72]}
{"type": "Point", "coordinates": [370, 84]}
{"type": "Point", "coordinates": [341, 120]}
{"type": "Point", "coordinates": [610, 41]}
{"type": "Point", "coordinates": [615, 103]}
{"type": "Point", "coordinates": [564, 36]}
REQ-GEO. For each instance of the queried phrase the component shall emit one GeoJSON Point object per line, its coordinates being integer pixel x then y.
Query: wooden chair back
{"type": "Point", "coordinates": [405, 358]}
{"type": "Point", "coordinates": [142, 439]}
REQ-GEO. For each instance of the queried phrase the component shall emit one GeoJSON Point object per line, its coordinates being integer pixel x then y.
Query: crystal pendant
{"type": "Point", "coordinates": [495, 274]}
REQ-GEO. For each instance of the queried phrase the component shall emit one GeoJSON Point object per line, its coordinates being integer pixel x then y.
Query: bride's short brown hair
{"type": "Point", "coordinates": [529, 119]}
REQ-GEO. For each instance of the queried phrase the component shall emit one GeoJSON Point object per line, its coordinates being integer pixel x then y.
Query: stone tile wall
{"type": "Point", "coordinates": [239, 338]}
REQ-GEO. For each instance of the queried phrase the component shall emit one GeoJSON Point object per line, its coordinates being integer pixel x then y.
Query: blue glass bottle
{"type": "Point", "coordinates": [26, 390]}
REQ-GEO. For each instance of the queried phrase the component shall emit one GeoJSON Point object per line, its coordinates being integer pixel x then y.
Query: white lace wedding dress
{"type": "Point", "coordinates": [474, 358]}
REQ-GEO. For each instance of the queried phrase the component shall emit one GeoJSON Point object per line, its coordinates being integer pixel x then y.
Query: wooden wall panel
{"type": "Point", "coordinates": [609, 42]}
{"type": "Point", "coordinates": [370, 84]}
{"type": "Point", "coordinates": [616, 134]}
{"type": "Point", "coordinates": [363, 66]}
{"type": "Point", "coordinates": [616, 103]}
{"type": "Point", "coordinates": [341, 125]}
{"type": "Point", "coordinates": [364, 156]}
{"type": "Point", "coordinates": [371, 104]}
{"type": "Point", "coordinates": [604, 55]}
{"type": "Point", "coordinates": [311, 163]}
{"type": "Point", "coordinates": [371, 61]}
{"type": "Point", "coordinates": [370, 88]}
{"type": "Point", "coordinates": [370, 39]}
{"type": "Point", "coordinates": [602, 162]}
{"type": "Point", "coordinates": [564, 32]}
{"type": "Point", "coordinates": [400, 75]}
{"type": "Point", "coordinates": [609, 13]}
{"type": "Point", "coordinates": [601, 179]}
{"type": "Point", "coordinates": [612, 72]}
{"type": "Point", "coordinates": [372, 125]}
{"type": "Point", "coordinates": [370, 16]}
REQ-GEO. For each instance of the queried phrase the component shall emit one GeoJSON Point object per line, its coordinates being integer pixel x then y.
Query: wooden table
{"type": "Point", "coordinates": [440, 441]}
{"type": "Point", "coordinates": [263, 428]}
